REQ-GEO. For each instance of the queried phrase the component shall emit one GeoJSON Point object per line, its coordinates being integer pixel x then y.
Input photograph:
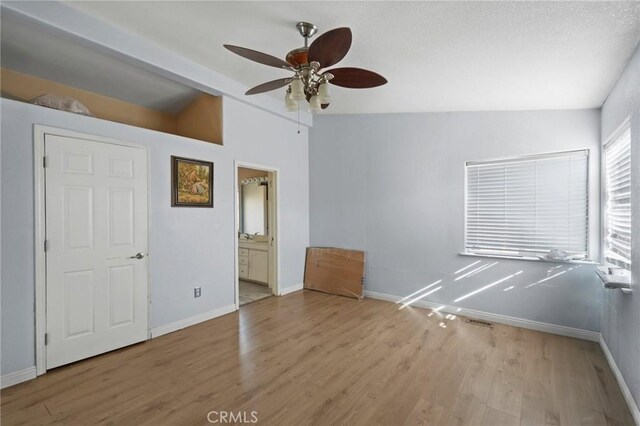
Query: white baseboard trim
{"type": "Point", "coordinates": [17, 377]}
{"type": "Point", "coordinates": [291, 289]}
{"type": "Point", "coordinates": [593, 336]}
{"type": "Point", "coordinates": [20, 376]}
{"type": "Point", "coordinates": [179, 325]}
{"type": "Point", "coordinates": [633, 407]}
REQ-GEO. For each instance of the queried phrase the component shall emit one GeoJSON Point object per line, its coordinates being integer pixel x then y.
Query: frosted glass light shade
{"type": "Point", "coordinates": [297, 90]}
{"type": "Point", "coordinates": [324, 93]}
{"type": "Point", "coordinates": [289, 103]}
{"type": "Point", "coordinates": [314, 103]}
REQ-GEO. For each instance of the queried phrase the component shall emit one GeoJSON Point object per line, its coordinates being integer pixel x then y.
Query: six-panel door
{"type": "Point", "coordinates": [96, 224]}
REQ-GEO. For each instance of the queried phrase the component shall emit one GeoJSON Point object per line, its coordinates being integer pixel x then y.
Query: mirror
{"type": "Point", "coordinates": [253, 208]}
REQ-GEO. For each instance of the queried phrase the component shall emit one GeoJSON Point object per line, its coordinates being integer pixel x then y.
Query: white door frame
{"type": "Point", "coordinates": [39, 133]}
{"type": "Point", "coordinates": [274, 248]}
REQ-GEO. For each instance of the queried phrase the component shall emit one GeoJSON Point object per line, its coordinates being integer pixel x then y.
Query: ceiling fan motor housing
{"type": "Point", "coordinates": [298, 57]}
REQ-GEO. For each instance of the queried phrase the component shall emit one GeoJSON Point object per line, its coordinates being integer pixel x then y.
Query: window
{"type": "Point", "coordinates": [528, 206]}
{"type": "Point", "coordinates": [617, 173]}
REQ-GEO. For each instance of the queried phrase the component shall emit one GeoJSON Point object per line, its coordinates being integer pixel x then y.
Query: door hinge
{"type": "Point", "coordinates": [46, 339]}
{"type": "Point", "coordinates": [46, 245]}
{"type": "Point", "coordinates": [44, 161]}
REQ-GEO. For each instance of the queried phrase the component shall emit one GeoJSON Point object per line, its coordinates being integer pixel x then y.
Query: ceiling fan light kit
{"type": "Point", "coordinates": [297, 90]}
{"type": "Point", "coordinates": [289, 103]}
{"type": "Point", "coordinates": [309, 82]}
{"type": "Point", "coordinates": [324, 93]}
{"type": "Point", "coordinates": [314, 103]}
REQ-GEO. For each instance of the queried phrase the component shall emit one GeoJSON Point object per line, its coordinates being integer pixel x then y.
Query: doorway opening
{"type": "Point", "coordinates": [257, 233]}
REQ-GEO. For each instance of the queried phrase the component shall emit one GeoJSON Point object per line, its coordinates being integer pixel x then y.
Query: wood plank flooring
{"type": "Point", "coordinates": [250, 292]}
{"type": "Point", "coordinates": [314, 358]}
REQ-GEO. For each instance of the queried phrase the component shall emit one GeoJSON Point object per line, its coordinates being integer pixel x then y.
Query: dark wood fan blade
{"type": "Point", "coordinates": [256, 56]}
{"type": "Point", "coordinates": [330, 47]}
{"type": "Point", "coordinates": [268, 86]}
{"type": "Point", "coordinates": [324, 106]}
{"type": "Point", "coordinates": [356, 78]}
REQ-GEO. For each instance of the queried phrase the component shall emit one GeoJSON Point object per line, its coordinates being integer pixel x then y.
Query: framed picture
{"type": "Point", "coordinates": [191, 182]}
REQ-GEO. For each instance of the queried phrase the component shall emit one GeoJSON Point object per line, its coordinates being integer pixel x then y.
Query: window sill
{"type": "Point", "coordinates": [615, 281]}
{"type": "Point", "coordinates": [528, 258]}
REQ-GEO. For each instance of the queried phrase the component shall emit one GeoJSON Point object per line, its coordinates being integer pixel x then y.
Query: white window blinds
{"type": "Point", "coordinates": [617, 158]}
{"type": "Point", "coordinates": [528, 206]}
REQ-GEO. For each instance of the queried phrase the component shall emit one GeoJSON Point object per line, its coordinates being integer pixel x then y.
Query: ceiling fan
{"type": "Point", "coordinates": [308, 81]}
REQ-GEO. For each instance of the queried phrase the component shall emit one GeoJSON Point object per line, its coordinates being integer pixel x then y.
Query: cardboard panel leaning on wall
{"type": "Point", "coordinates": [393, 185]}
{"type": "Point", "coordinates": [335, 271]}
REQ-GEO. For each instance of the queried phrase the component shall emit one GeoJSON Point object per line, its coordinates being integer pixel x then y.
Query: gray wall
{"type": "Point", "coordinates": [393, 185]}
{"type": "Point", "coordinates": [621, 312]}
{"type": "Point", "coordinates": [187, 246]}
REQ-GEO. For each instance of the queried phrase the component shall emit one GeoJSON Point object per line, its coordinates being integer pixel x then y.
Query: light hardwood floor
{"type": "Point", "coordinates": [250, 292]}
{"type": "Point", "coordinates": [314, 358]}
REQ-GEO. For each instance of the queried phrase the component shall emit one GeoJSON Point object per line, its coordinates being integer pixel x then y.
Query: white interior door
{"type": "Point", "coordinates": [96, 224]}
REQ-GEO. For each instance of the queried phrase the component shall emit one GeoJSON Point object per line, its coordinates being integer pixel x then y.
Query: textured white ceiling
{"type": "Point", "coordinates": [437, 56]}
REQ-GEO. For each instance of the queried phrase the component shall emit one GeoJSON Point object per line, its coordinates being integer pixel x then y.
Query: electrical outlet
{"type": "Point", "coordinates": [197, 291]}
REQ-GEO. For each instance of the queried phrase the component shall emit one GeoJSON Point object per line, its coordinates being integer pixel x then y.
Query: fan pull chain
{"type": "Point", "coordinates": [298, 117]}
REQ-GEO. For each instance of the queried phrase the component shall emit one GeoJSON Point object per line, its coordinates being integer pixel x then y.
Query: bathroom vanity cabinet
{"type": "Point", "coordinates": [253, 260]}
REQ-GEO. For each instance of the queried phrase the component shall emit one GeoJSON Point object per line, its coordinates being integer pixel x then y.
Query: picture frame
{"type": "Point", "coordinates": [191, 182]}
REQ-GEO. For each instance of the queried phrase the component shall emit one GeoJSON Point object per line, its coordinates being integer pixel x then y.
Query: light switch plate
{"type": "Point", "coordinates": [197, 291]}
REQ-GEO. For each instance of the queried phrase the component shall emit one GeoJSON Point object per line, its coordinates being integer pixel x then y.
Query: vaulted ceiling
{"type": "Point", "coordinates": [437, 56]}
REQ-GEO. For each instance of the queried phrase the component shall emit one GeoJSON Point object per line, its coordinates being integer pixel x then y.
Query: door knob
{"type": "Point", "coordinates": [137, 256]}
